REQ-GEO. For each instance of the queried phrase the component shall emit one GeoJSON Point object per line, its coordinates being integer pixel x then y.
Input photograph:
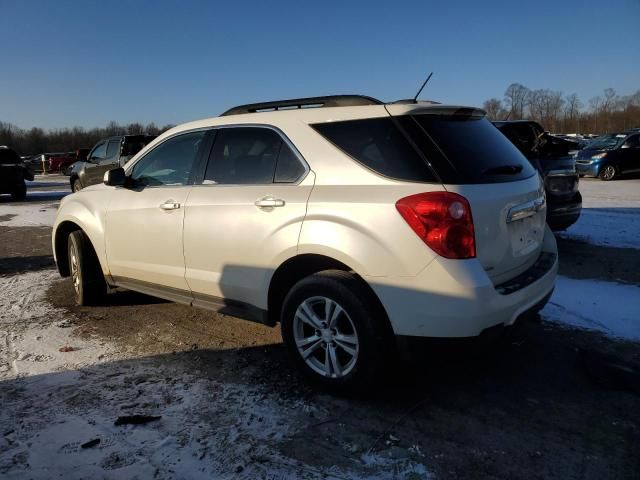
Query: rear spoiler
{"type": "Point", "coordinates": [450, 111]}
{"type": "Point", "coordinates": [455, 111]}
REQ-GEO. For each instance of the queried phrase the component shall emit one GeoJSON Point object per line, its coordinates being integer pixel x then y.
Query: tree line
{"type": "Point", "coordinates": [555, 111]}
{"type": "Point", "coordinates": [560, 113]}
{"type": "Point", "coordinates": [36, 140]}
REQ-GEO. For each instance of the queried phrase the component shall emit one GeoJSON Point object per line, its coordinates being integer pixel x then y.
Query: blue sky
{"type": "Point", "coordinates": [67, 63]}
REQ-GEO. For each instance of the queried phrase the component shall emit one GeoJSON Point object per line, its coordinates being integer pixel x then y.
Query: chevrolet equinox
{"type": "Point", "coordinates": [351, 222]}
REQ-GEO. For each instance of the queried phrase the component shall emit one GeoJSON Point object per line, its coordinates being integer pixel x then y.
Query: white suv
{"type": "Point", "coordinates": [350, 222]}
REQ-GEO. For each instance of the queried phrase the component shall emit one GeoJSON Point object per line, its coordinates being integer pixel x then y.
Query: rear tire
{"type": "Point", "coordinates": [19, 192]}
{"type": "Point", "coordinates": [86, 274]}
{"type": "Point", "coordinates": [609, 172]}
{"type": "Point", "coordinates": [336, 332]}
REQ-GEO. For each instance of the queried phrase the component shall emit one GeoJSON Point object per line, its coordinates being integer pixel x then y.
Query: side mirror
{"type": "Point", "coordinates": [115, 177]}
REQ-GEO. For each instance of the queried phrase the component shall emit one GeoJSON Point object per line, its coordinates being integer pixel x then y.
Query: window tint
{"type": "Point", "coordinates": [475, 149]}
{"type": "Point", "coordinates": [113, 148]}
{"type": "Point", "coordinates": [379, 145]}
{"type": "Point", "coordinates": [99, 152]}
{"type": "Point", "coordinates": [171, 162]}
{"type": "Point", "coordinates": [633, 141]}
{"type": "Point", "coordinates": [289, 168]}
{"type": "Point", "coordinates": [243, 156]}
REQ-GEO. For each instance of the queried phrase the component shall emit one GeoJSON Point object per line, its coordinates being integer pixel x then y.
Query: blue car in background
{"type": "Point", "coordinates": [610, 156]}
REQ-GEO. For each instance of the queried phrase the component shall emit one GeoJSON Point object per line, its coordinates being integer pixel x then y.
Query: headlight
{"type": "Point", "coordinates": [599, 156]}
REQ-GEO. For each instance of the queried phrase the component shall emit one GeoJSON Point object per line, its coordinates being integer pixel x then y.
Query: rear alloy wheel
{"type": "Point", "coordinates": [607, 173]}
{"type": "Point", "coordinates": [76, 186]}
{"type": "Point", "coordinates": [84, 267]}
{"type": "Point", "coordinates": [335, 331]}
{"type": "Point", "coordinates": [325, 337]}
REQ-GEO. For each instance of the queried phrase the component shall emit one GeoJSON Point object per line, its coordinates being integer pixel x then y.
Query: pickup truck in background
{"type": "Point", "coordinates": [111, 152]}
{"type": "Point", "coordinates": [552, 157]}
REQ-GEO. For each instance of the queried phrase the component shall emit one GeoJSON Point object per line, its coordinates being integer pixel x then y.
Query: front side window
{"type": "Point", "coordinates": [171, 162]}
{"type": "Point", "coordinates": [99, 152]}
{"type": "Point", "coordinates": [243, 156]}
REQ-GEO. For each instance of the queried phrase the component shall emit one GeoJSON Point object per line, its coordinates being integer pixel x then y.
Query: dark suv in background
{"type": "Point", "coordinates": [552, 156]}
{"type": "Point", "coordinates": [611, 155]}
{"type": "Point", "coordinates": [108, 153]}
{"type": "Point", "coordinates": [13, 173]}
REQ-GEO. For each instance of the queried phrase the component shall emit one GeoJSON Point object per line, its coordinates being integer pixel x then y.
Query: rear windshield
{"type": "Point", "coordinates": [455, 149]}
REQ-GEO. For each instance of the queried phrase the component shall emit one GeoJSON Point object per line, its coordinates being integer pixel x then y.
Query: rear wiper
{"type": "Point", "coordinates": [504, 170]}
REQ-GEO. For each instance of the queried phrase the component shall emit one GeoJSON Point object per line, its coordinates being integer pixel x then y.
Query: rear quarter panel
{"type": "Point", "coordinates": [361, 227]}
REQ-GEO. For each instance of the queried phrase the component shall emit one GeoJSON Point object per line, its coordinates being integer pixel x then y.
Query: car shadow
{"type": "Point", "coordinates": [15, 265]}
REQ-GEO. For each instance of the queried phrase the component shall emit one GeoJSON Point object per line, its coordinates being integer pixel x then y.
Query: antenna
{"type": "Point", "coordinates": [415, 99]}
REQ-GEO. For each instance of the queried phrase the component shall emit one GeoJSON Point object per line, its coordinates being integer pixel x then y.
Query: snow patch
{"type": "Point", "coordinates": [607, 307]}
{"type": "Point", "coordinates": [612, 227]}
{"type": "Point", "coordinates": [28, 214]}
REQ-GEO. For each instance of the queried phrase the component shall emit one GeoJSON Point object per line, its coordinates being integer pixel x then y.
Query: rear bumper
{"type": "Point", "coordinates": [456, 298]}
{"type": "Point", "coordinates": [562, 215]}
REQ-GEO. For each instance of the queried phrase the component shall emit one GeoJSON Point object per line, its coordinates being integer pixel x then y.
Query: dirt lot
{"type": "Point", "coordinates": [541, 403]}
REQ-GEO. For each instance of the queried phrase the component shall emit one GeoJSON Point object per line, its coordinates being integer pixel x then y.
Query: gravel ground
{"type": "Point", "coordinates": [539, 403]}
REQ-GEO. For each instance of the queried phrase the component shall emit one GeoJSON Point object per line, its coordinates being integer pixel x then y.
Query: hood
{"type": "Point", "coordinates": [587, 153]}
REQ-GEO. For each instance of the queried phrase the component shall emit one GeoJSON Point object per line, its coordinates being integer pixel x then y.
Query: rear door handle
{"type": "Point", "coordinates": [169, 205]}
{"type": "Point", "coordinates": [267, 202]}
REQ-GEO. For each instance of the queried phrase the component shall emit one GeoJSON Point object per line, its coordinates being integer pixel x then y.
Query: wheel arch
{"type": "Point", "coordinates": [60, 238]}
{"type": "Point", "coordinates": [300, 266]}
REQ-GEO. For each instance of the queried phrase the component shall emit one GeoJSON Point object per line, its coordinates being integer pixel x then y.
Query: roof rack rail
{"type": "Point", "coordinates": [310, 102]}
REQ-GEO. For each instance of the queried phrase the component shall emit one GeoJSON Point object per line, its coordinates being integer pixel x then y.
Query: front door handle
{"type": "Point", "coordinates": [169, 205]}
{"type": "Point", "coordinates": [269, 202]}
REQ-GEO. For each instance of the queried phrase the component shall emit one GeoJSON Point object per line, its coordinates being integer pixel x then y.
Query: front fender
{"type": "Point", "coordinates": [85, 209]}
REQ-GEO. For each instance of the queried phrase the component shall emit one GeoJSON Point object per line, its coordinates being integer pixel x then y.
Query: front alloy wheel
{"type": "Point", "coordinates": [608, 173]}
{"type": "Point", "coordinates": [74, 267]}
{"type": "Point", "coordinates": [325, 337]}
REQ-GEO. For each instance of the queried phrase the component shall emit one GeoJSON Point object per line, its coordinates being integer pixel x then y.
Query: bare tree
{"type": "Point", "coordinates": [516, 98]}
{"type": "Point", "coordinates": [494, 108]}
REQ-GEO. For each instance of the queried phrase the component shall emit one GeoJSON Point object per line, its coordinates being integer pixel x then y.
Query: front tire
{"type": "Point", "coordinates": [607, 173]}
{"type": "Point", "coordinates": [19, 192]}
{"type": "Point", "coordinates": [86, 274]}
{"type": "Point", "coordinates": [334, 330]}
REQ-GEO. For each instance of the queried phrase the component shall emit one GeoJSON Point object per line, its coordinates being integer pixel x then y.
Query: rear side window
{"type": "Point", "coordinates": [378, 144]}
{"type": "Point", "coordinates": [472, 149]}
{"type": "Point", "coordinates": [289, 168]}
{"type": "Point", "coordinates": [113, 148]}
{"type": "Point", "coordinates": [251, 156]}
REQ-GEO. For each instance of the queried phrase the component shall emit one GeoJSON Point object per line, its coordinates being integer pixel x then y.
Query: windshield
{"type": "Point", "coordinates": [607, 141]}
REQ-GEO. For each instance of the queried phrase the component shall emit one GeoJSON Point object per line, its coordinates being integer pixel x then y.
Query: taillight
{"type": "Point", "coordinates": [442, 220]}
